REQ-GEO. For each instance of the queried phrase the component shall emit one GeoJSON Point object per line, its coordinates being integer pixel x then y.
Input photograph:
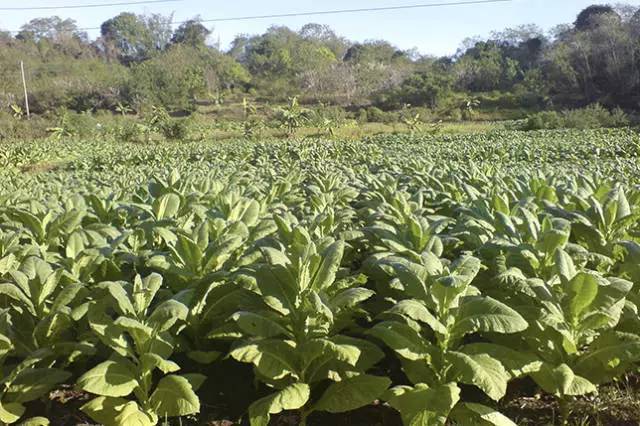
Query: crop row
{"type": "Point", "coordinates": [343, 274]}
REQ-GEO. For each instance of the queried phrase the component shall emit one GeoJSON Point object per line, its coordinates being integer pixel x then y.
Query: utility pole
{"type": "Point", "coordinates": [24, 85]}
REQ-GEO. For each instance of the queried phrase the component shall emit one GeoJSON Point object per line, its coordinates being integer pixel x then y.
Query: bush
{"type": "Point", "coordinates": [172, 80]}
{"type": "Point", "coordinates": [14, 129]}
{"type": "Point", "coordinates": [83, 125]}
{"type": "Point", "coordinates": [618, 118]}
{"type": "Point", "coordinates": [362, 116]}
{"type": "Point", "coordinates": [175, 129]}
{"type": "Point", "coordinates": [544, 120]}
{"type": "Point", "coordinates": [376, 115]}
{"type": "Point", "coordinates": [592, 117]}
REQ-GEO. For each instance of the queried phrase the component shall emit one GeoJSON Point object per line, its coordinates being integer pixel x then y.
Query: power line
{"type": "Point", "coordinates": [369, 9]}
{"type": "Point", "coordinates": [86, 6]}
{"type": "Point", "coordinates": [329, 12]}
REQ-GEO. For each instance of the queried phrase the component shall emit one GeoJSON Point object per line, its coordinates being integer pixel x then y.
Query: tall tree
{"type": "Point", "coordinates": [52, 28]}
{"type": "Point", "coordinates": [191, 33]}
{"type": "Point", "coordinates": [587, 18]}
{"type": "Point", "coordinates": [135, 37]}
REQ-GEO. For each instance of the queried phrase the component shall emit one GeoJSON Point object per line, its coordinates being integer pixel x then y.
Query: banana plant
{"type": "Point", "coordinates": [296, 341]}
{"type": "Point", "coordinates": [292, 116]}
{"type": "Point", "coordinates": [428, 331]}
{"type": "Point", "coordinates": [138, 335]}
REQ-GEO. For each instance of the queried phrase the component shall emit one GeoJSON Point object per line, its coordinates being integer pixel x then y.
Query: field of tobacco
{"type": "Point", "coordinates": [395, 280]}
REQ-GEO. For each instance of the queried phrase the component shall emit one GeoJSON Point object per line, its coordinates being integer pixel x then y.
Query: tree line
{"type": "Point", "coordinates": [140, 60]}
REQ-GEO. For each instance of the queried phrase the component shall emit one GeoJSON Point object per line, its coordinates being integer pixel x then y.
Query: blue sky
{"type": "Point", "coordinates": [433, 30]}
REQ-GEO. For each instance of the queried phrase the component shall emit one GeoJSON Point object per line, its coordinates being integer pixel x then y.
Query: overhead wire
{"type": "Point", "coordinates": [86, 6]}
{"type": "Point", "coordinates": [323, 12]}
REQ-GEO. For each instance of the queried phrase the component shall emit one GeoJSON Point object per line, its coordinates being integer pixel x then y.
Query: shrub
{"type": "Point", "coordinates": [362, 116]}
{"type": "Point", "coordinates": [592, 117]}
{"type": "Point", "coordinates": [376, 115]}
{"type": "Point", "coordinates": [132, 132]}
{"type": "Point", "coordinates": [175, 129]}
{"type": "Point", "coordinates": [171, 80]}
{"type": "Point", "coordinates": [544, 120]}
{"type": "Point", "coordinates": [83, 124]}
{"type": "Point", "coordinates": [13, 129]}
{"type": "Point", "coordinates": [618, 118]}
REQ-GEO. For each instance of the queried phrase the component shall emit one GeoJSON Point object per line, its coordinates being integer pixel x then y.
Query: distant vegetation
{"type": "Point", "coordinates": [141, 62]}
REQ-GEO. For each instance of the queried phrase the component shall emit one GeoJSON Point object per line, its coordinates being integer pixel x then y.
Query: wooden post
{"type": "Point", "coordinates": [24, 85]}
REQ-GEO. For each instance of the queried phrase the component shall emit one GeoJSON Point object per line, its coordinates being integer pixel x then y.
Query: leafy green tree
{"type": "Point", "coordinates": [171, 80]}
{"type": "Point", "coordinates": [596, 64]}
{"type": "Point", "coordinates": [192, 33]}
{"type": "Point", "coordinates": [484, 67]}
{"type": "Point", "coordinates": [324, 35]}
{"type": "Point", "coordinates": [377, 51]}
{"type": "Point", "coordinates": [53, 28]}
{"type": "Point", "coordinates": [587, 19]}
{"type": "Point", "coordinates": [128, 34]}
{"type": "Point", "coordinates": [421, 89]}
{"type": "Point", "coordinates": [135, 37]}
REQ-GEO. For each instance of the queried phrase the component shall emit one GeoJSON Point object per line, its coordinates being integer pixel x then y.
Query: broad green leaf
{"type": "Point", "coordinates": [110, 378]}
{"type": "Point", "coordinates": [326, 273]}
{"type": "Point", "coordinates": [144, 290]}
{"type": "Point", "coordinates": [139, 331]}
{"type": "Point", "coordinates": [518, 363]}
{"type": "Point", "coordinates": [480, 370]}
{"type": "Point", "coordinates": [111, 411]}
{"type": "Point", "coordinates": [166, 206]}
{"type": "Point", "coordinates": [150, 361]}
{"type": "Point", "coordinates": [16, 294]}
{"type": "Point", "coordinates": [352, 393]}
{"type": "Point", "coordinates": [562, 381]}
{"type": "Point", "coordinates": [259, 325]}
{"type": "Point", "coordinates": [189, 252]}
{"type": "Point", "coordinates": [121, 298]}
{"type": "Point", "coordinates": [174, 397]}
{"type": "Point", "coordinates": [204, 357]}
{"type": "Point", "coordinates": [423, 405]}
{"type": "Point", "coordinates": [552, 240]}
{"type": "Point", "coordinates": [10, 412]}
{"type": "Point", "coordinates": [75, 245]}
{"type": "Point", "coordinates": [403, 339]}
{"type": "Point", "coordinates": [33, 383]}
{"type": "Point", "coordinates": [480, 415]}
{"type": "Point", "coordinates": [278, 288]}
{"type": "Point", "coordinates": [485, 314]}
{"type": "Point", "coordinates": [196, 380]}
{"type": "Point", "coordinates": [581, 292]}
{"type": "Point", "coordinates": [104, 409]}
{"type": "Point", "coordinates": [609, 357]}
{"type": "Point", "coordinates": [130, 415]}
{"type": "Point", "coordinates": [274, 359]}
{"type": "Point", "coordinates": [35, 421]}
{"type": "Point", "coordinates": [167, 314]}
{"type": "Point", "coordinates": [349, 298]}
{"type": "Point", "coordinates": [564, 265]}
{"type": "Point", "coordinates": [418, 312]}
{"type": "Point", "coordinates": [292, 397]}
